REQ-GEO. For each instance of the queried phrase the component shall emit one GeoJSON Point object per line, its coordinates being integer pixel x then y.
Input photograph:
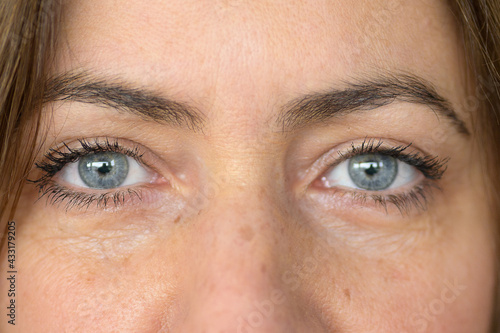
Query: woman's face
{"type": "Point", "coordinates": [256, 166]}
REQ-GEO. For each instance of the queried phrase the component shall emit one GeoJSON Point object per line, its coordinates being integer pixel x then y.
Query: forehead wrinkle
{"type": "Point", "coordinates": [257, 52]}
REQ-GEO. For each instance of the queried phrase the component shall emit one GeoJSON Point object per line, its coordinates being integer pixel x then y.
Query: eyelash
{"type": "Point", "coordinates": [432, 167]}
{"type": "Point", "coordinates": [56, 159]}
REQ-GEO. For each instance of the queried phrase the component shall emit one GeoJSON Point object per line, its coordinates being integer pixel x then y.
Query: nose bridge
{"type": "Point", "coordinates": [239, 237]}
{"type": "Point", "coordinates": [240, 252]}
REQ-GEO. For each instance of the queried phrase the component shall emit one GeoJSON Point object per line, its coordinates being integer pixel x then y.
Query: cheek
{"type": "Point", "coordinates": [440, 281]}
{"type": "Point", "coordinates": [464, 301]}
{"type": "Point", "coordinates": [419, 294]}
{"type": "Point", "coordinates": [453, 293]}
{"type": "Point", "coordinates": [93, 279]}
{"type": "Point", "coordinates": [441, 289]}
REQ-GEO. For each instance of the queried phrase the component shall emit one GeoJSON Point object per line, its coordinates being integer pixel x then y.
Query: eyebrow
{"type": "Point", "coordinates": [368, 95]}
{"type": "Point", "coordinates": [362, 95]}
{"type": "Point", "coordinates": [113, 93]}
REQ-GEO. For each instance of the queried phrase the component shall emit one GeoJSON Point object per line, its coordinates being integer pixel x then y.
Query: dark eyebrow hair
{"type": "Point", "coordinates": [87, 88]}
{"type": "Point", "coordinates": [362, 95]}
{"type": "Point", "coordinates": [368, 95]}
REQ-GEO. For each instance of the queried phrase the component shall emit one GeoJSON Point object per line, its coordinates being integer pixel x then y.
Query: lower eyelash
{"type": "Point", "coordinates": [56, 160]}
{"type": "Point", "coordinates": [418, 197]}
{"type": "Point", "coordinates": [57, 195]}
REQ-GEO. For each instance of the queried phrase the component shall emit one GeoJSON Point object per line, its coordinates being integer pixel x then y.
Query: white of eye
{"type": "Point", "coordinates": [339, 176]}
{"type": "Point", "coordinates": [136, 174]}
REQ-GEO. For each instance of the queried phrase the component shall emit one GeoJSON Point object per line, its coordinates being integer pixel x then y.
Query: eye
{"type": "Point", "coordinates": [371, 172]}
{"type": "Point", "coordinates": [105, 170]}
{"type": "Point", "coordinates": [375, 174]}
{"type": "Point", "coordinates": [96, 173]}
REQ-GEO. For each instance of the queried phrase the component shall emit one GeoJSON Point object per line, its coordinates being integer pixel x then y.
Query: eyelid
{"type": "Point", "coordinates": [83, 147]}
{"type": "Point", "coordinates": [51, 185]}
{"type": "Point", "coordinates": [341, 200]}
{"type": "Point", "coordinates": [343, 151]}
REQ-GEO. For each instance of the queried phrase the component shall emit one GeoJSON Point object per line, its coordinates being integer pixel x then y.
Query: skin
{"type": "Point", "coordinates": [235, 236]}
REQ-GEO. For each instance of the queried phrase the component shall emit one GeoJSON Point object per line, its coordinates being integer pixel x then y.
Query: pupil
{"type": "Point", "coordinates": [371, 170]}
{"type": "Point", "coordinates": [105, 168]}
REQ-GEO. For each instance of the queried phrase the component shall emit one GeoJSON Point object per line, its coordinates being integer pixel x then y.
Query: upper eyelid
{"type": "Point", "coordinates": [58, 192]}
{"type": "Point", "coordinates": [87, 147]}
{"type": "Point", "coordinates": [371, 147]}
{"type": "Point", "coordinates": [56, 159]}
{"type": "Point", "coordinates": [367, 147]}
{"type": "Point", "coordinates": [343, 151]}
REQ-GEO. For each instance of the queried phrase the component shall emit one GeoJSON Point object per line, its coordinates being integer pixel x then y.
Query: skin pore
{"type": "Point", "coordinates": [232, 227]}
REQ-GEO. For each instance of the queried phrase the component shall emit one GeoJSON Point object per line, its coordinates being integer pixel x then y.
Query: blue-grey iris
{"type": "Point", "coordinates": [104, 170]}
{"type": "Point", "coordinates": [373, 172]}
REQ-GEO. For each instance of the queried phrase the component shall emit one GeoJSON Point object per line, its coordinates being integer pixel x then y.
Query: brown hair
{"type": "Point", "coordinates": [27, 41]}
{"type": "Point", "coordinates": [480, 27]}
{"type": "Point", "coordinates": [27, 37]}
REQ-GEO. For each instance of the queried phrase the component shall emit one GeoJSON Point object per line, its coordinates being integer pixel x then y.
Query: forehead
{"type": "Point", "coordinates": [248, 51]}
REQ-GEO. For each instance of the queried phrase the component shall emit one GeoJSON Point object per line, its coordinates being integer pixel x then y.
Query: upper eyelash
{"type": "Point", "coordinates": [55, 160]}
{"type": "Point", "coordinates": [432, 167]}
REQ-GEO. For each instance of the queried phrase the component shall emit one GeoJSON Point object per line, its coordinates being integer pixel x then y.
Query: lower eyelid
{"type": "Point", "coordinates": [339, 200]}
{"type": "Point", "coordinates": [59, 183]}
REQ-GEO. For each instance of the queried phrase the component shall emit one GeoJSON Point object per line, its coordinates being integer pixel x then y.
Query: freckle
{"type": "Point", "coordinates": [247, 233]}
{"type": "Point", "coordinates": [177, 219]}
{"type": "Point", "coordinates": [126, 262]}
{"type": "Point", "coordinates": [347, 294]}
